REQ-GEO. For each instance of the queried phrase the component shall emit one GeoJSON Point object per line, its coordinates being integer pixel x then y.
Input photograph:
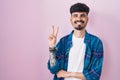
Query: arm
{"type": "Point", "coordinates": [65, 74]}
{"type": "Point", "coordinates": [53, 64]}
{"type": "Point", "coordinates": [54, 61]}
{"type": "Point", "coordinates": [52, 56]}
{"type": "Point", "coordinates": [78, 75]}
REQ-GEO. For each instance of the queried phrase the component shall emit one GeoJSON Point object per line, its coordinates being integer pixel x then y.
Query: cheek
{"type": "Point", "coordinates": [72, 21]}
{"type": "Point", "coordinates": [86, 20]}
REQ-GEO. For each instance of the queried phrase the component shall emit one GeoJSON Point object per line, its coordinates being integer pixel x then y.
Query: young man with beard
{"type": "Point", "coordinates": [79, 55]}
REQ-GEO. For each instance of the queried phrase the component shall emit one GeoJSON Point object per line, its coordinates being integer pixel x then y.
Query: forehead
{"type": "Point", "coordinates": [79, 13]}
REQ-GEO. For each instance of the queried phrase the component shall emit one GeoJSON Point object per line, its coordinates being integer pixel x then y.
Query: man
{"type": "Point", "coordinates": [79, 55]}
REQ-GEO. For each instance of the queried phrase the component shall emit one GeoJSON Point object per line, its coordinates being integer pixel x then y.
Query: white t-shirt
{"type": "Point", "coordinates": [76, 56]}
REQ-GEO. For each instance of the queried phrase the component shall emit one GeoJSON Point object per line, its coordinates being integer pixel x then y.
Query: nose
{"type": "Point", "coordinates": [79, 17]}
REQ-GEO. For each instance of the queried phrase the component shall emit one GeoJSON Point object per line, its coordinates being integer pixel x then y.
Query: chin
{"type": "Point", "coordinates": [79, 28]}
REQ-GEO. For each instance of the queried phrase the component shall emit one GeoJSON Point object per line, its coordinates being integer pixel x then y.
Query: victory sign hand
{"type": "Point", "coordinates": [52, 39]}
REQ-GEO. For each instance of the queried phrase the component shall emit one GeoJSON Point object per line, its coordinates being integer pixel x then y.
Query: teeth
{"type": "Point", "coordinates": [79, 23]}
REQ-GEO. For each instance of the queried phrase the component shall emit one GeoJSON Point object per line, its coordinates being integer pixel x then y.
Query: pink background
{"type": "Point", "coordinates": [26, 24]}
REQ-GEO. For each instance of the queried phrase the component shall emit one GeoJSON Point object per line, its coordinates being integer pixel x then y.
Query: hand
{"type": "Point", "coordinates": [63, 74]}
{"type": "Point", "coordinates": [52, 39]}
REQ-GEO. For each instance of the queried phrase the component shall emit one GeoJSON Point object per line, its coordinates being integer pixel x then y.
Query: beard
{"type": "Point", "coordinates": [79, 27]}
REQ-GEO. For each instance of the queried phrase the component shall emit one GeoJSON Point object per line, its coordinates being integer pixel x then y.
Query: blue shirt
{"type": "Point", "coordinates": [93, 56]}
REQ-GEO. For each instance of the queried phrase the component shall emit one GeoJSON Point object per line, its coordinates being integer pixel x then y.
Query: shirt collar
{"type": "Point", "coordinates": [86, 40]}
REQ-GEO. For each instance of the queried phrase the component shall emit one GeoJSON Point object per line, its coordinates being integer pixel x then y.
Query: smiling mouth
{"type": "Point", "coordinates": [79, 22]}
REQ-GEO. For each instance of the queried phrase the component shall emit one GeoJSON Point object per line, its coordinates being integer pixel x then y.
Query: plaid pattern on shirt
{"type": "Point", "coordinates": [93, 56]}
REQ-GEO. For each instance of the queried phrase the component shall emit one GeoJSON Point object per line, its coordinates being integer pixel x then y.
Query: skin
{"type": "Point", "coordinates": [52, 39]}
{"type": "Point", "coordinates": [75, 16]}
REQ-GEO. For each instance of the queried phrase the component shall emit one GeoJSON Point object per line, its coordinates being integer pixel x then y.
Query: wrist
{"type": "Point", "coordinates": [70, 74]}
{"type": "Point", "coordinates": [52, 45]}
{"type": "Point", "coordinates": [52, 49]}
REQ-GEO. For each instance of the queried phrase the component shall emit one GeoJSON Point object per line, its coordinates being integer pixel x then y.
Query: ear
{"type": "Point", "coordinates": [87, 18]}
{"type": "Point", "coordinates": [70, 19]}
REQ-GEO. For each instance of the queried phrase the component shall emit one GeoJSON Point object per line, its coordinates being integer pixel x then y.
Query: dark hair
{"type": "Point", "coordinates": [79, 7]}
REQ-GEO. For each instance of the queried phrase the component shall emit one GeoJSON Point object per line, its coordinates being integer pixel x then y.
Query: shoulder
{"type": "Point", "coordinates": [93, 37]}
{"type": "Point", "coordinates": [95, 42]}
{"type": "Point", "coordinates": [96, 45]}
{"type": "Point", "coordinates": [67, 37]}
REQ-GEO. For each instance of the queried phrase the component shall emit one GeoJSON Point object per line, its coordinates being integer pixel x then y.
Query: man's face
{"type": "Point", "coordinates": [79, 20]}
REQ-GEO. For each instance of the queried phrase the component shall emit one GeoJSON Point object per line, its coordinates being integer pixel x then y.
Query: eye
{"type": "Point", "coordinates": [83, 15]}
{"type": "Point", "coordinates": [74, 15]}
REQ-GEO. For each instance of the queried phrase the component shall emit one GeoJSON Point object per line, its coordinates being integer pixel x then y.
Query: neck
{"type": "Point", "coordinates": [79, 33]}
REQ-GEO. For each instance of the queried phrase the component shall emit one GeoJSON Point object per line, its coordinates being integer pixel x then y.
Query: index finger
{"type": "Point", "coordinates": [52, 29]}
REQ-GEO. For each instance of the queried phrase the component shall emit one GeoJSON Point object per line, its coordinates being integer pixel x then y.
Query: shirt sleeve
{"type": "Point", "coordinates": [96, 63]}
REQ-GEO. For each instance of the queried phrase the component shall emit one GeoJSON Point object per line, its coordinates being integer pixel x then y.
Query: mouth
{"type": "Point", "coordinates": [79, 22]}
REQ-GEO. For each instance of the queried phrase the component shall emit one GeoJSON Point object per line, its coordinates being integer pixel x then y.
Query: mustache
{"type": "Point", "coordinates": [79, 21]}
